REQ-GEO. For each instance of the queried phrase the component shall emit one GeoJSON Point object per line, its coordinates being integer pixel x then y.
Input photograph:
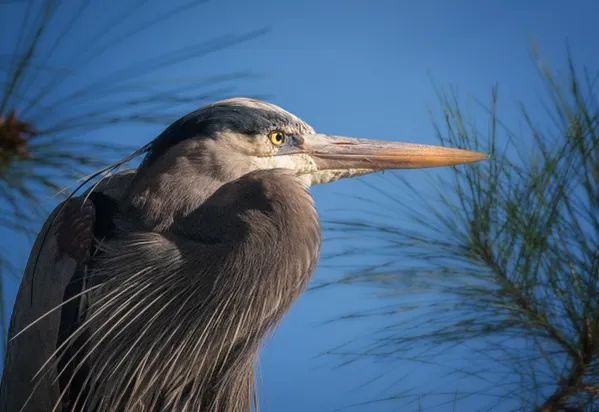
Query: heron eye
{"type": "Point", "coordinates": [277, 138]}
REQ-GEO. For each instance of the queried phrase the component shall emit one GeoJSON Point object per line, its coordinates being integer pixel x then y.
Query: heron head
{"type": "Point", "coordinates": [232, 137]}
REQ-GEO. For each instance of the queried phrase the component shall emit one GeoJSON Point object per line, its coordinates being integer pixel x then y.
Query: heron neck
{"type": "Point", "coordinates": [158, 202]}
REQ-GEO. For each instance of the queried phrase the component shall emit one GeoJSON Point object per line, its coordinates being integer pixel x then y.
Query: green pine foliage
{"type": "Point", "coordinates": [503, 261]}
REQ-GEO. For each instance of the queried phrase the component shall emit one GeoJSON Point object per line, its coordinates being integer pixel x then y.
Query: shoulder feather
{"type": "Point", "coordinates": [61, 246]}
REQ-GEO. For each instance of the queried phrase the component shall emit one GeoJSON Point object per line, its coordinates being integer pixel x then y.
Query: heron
{"type": "Point", "coordinates": [156, 289]}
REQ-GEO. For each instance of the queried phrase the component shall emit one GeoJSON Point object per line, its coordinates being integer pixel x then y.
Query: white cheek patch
{"type": "Point", "coordinates": [300, 163]}
{"type": "Point", "coordinates": [305, 168]}
{"type": "Point", "coordinates": [327, 176]}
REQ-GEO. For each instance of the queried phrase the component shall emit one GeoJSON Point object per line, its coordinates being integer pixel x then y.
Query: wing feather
{"type": "Point", "coordinates": [59, 250]}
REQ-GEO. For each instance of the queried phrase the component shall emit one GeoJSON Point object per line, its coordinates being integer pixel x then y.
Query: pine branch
{"type": "Point", "coordinates": [503, 258]}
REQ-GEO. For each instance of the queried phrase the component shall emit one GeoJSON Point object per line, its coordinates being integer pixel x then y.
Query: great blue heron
{"type": "Point", "coordinates": [155, 290]}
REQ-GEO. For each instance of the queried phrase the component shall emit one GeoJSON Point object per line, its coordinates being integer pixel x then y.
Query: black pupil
{"type": "Point", "coordinates": [278, 137]}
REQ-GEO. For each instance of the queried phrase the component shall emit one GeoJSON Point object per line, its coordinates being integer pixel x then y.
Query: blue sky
{"type": "Point", "coordinates": [356, 68]}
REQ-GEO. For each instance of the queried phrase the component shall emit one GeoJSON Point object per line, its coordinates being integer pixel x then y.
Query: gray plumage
{"type": "Point", "coordinates": [155, 290]}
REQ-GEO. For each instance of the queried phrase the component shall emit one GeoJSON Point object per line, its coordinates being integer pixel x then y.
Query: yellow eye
{"type": "Point", "coordinates": [277, 138]}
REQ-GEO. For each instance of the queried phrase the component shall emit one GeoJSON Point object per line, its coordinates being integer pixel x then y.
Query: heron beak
{"type": "Point", "coordinates": [344, 153]}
